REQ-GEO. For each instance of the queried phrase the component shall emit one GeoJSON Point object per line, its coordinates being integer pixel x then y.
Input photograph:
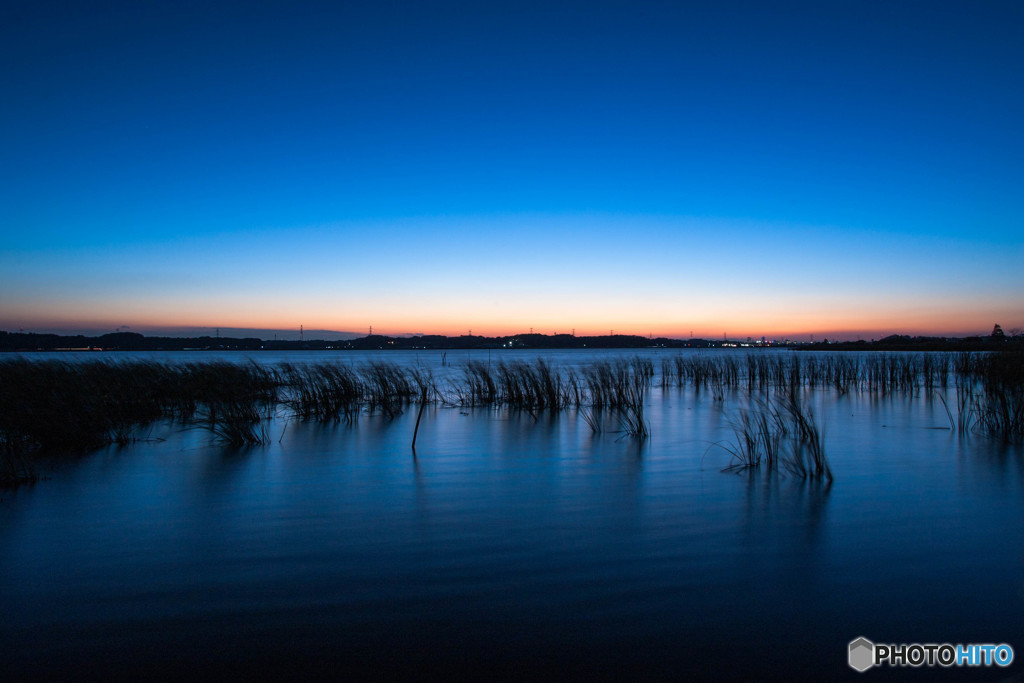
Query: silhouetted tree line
{"type": "Point", "coordinates": [898, 342]}
{"type": "Point", "coordinates": [121, 341]}
{"type": "Point", "coordinates": [133, 341]}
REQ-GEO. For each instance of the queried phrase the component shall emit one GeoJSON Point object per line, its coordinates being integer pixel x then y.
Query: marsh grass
{"type": "Point", "coordinates": [237, 423]}
{"type": "Point", "coordinates": [58, 406]}
{"type": "Point", "coordinates": [325, 392]}
{"type": "Point", "coordinates": [759, 432]}
{"type": "Point", "coordinates": [618, 387]}
{"type": "Point", "coordinates": [993, 387]}
{"type": "Point", "coordinates": [67, 406]}
{"type": "Point", "coordinates": [481, 386]}
{"type": "Point", "coordinates": [63, 407]}
{"type": "Point", "coordinates": [807, 457]}
{"type": "Point", "coordinates": [779, 432]}
{"type": "Point", "coordinates": [592, 417]}
{"type": "Point", "coordinates": [234, 400]}
{"type": "Point", "coordinates": [631, 410]}
{"type": "Point", "coordinates": [389, 388]}
{"type": "Point", "coordinates": [879, 373]}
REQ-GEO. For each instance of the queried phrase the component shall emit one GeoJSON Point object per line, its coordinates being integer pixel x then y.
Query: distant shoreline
{"type": "Point", "coordinates": [27, 342]}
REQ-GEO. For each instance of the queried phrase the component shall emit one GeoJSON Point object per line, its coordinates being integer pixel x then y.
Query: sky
{"type": "Point", "coordinates": [836, 169]}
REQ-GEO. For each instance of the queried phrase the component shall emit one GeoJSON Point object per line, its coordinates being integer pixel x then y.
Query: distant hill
{"type": "Point", "coordinates": [195, 332]}
{"type": "Point", "coordinates": [258, 333]}
{"type": "Point", "coordinates": [312, 340]}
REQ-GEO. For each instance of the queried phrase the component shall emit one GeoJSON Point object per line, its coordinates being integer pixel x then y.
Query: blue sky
{"type": "Point", "coordinates": [845, 168]}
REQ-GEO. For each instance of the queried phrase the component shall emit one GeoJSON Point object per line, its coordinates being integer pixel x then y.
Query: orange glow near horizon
{"type": "Point", "coordinates": [772, 281]}
{"type": "Point", "coordinates": [793, 326]}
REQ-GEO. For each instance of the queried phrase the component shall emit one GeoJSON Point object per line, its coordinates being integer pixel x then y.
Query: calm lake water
{"type": "Point", "coordinates": [514, 545]}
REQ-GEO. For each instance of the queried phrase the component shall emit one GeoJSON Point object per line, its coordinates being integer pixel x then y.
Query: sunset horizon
{"type": "Point", "coordinates": [536, 340]}
{"type": "Point", "coordinates": [823, 171]}
{"type": "Point", "coordinates": [329, 332]}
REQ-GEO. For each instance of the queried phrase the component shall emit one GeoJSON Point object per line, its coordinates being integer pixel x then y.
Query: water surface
{"type": "Point", "coordinates": [513, 545]}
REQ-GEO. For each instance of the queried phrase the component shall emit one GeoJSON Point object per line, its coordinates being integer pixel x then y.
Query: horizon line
{"type": "Point", "coordinates": [302, 334]}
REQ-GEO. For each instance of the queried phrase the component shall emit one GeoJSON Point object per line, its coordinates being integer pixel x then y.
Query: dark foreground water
{"type": "Point", "coordinates": [515, 546]}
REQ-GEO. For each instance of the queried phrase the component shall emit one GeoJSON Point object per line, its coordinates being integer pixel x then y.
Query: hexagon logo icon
{"type": "Point", "coordinates": [862, 654]}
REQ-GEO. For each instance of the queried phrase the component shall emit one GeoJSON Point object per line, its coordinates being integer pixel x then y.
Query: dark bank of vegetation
{"type": "Point", "coordinates": [990, 394]}
{"type": "Point", "coordinates": [60, 406]}
{"type": "Point", "coordinates": [55, 406]}
{"type": "Point", "coordinates": [996, 341]}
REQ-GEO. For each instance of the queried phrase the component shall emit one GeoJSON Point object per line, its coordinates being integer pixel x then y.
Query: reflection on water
{"type": "Point", "coordinates": [514, 543]}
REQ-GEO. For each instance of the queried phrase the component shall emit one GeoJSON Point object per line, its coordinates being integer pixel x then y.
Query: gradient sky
{"type": "Point", "coordinates": [848, 169]}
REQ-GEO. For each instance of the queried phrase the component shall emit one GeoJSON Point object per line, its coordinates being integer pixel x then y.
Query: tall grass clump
{"type": "Point", "coordinates": [993, 384]}
{"type": "Point", "coordinates": [480, 387]}
{"type": "Point", "coordinates": [235, 400]}
{"type": "Point", "coordinates": [807, 456]}
{"type": "Point", "coordinates": [759, 434]}
{"type": "Point", "coordinates": [616, 386]}
{"type": "Point", "coordinates": [536, 386]}
{"type": "Point", "coordinates": [324, 392]}
{"type": "Point", "coordinates": [780, 433]}
{"type": "Point", "coordinates": [388, 388]}
{"type": "Point", "coordinates": [887, 372]}
{"type": "Point", "coordinates": [619, 386]}
{"type": "Point", "coordinates": [55, 405]}
{"type": "Point", "coordinates": [631, 411]}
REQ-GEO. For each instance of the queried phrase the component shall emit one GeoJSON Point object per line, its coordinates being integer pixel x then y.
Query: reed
{"type": "Point", "coordinates": [521, 386]}
{"type": "Point", "coordinates": [481, 387]}
{"type": "Point", "coordinates": [878, 373]}
{"type": "Point", "coordinates": [998, 393]}
{"type": "Point", "coordinates": [56, 405]}
{"type": "Point", "coordinates": [425, 387]}
{"type": "Point", "coordinates": [323, 392]}
{"type": "Point", "coordinates": [236, 423]}
{"type": "Point", "coordinates": [808, 455]}
{"type": "Point", "coordinates": [614, 384]}
{"type": "Point", "coordinates": [234, 400]}
{"type": "Point", "coordinates": [618, 386]}
{"type": "Point", "coordinates": [592, 417]}
{"type": "Point", "coordinates": [60, 406]}
{"type": "Point", "coordinates": [388, 388]}
{"type": "Point", "coordinates": [631, 410]}
{"type": "Point", "coordinates": [780, 432]}
{"type": "Point", "coordinates": [759, 434]}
